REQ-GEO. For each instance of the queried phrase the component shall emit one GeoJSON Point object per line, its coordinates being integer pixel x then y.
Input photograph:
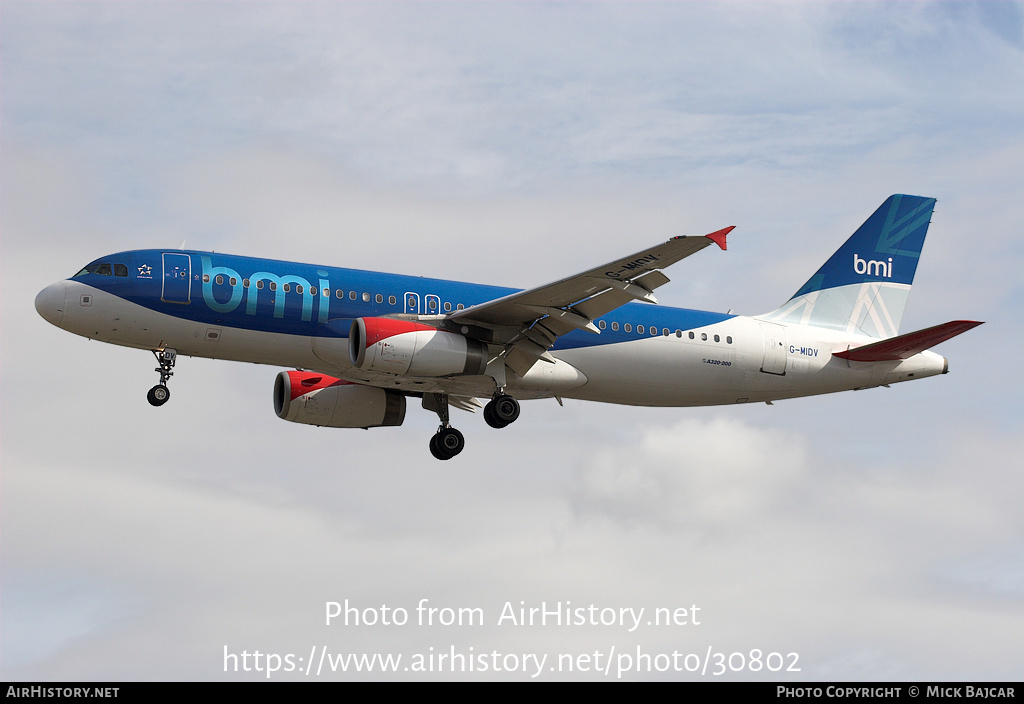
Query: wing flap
{"type": "Point", "coordinates": [604, 302]}
{"type": "Point", "coordinates": [465, 403]}
{"type": "Point", "coordinates": [906, 346]}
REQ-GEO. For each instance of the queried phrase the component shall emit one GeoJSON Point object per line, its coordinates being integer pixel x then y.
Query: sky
{"type": "Point", "coordinates": [866, 536]}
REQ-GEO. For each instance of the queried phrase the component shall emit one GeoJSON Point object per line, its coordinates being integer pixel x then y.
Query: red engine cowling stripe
{"type": "Point", "coordinates": [378, 329]}
{"type": "Point", "coordinates": [302, 383]}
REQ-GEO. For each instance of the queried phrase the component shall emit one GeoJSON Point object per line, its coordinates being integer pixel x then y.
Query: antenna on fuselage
{"type": "Point", "coordinates": [182, 245]}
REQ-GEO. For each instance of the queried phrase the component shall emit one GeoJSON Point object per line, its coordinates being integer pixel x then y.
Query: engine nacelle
{"type": "Point", "coordinates": [415, 349]}
{"type": "Point", "coordinates": [318, 399]}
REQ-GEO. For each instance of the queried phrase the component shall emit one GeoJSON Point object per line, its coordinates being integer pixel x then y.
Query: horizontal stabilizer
{"type": "Point", "coordinates": [905, 346]}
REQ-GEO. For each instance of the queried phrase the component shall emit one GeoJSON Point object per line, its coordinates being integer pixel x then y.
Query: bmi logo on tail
{"type": "Point", "coordinates": [872, 267]}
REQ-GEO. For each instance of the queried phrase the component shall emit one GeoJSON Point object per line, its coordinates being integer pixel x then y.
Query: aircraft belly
{"type": "Point", "coordinates": [549, 378]}
{"type": "Point", "coordinates": [659, 371]}
{"type": "Point", "coordinates": [544, 380]}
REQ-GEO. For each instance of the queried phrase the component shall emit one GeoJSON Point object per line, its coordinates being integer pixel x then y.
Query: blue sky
{"type": "Point", "coordinates": [877, 534]}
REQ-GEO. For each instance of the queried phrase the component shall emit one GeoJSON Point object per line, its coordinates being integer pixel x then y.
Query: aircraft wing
{"type": "Point", "coordinates": [532, 320]}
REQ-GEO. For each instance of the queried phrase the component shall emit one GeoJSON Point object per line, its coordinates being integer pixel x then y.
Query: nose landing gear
{"type": "Point", "coordinates": [160, 394]}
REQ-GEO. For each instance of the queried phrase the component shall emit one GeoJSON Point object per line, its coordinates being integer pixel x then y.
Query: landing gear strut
{"type": "Point", "coordinates": [160, 394]}
{"type": "Point", "coordinates": [501, 410]}
{"type": "Point", "coordinates": [447, 441]}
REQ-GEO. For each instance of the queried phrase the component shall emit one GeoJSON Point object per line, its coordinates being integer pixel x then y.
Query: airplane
{"type": "Point", "coordinates": [360, 343]}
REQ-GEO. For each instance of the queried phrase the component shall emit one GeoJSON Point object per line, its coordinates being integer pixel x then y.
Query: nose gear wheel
{"type": "Point", "coordinates": [160, 394]}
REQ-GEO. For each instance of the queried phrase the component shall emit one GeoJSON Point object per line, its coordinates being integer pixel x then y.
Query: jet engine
{"type": "Point", "coordinates": [407, 347]}
{"type": "Point", "coordinates": [318, 399]}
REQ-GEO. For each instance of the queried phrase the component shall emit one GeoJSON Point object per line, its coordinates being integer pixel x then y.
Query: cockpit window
{"type": "Point", "coordinates": [103, 269]}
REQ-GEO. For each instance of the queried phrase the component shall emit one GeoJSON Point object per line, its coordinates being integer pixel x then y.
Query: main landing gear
{"type": "Point", "coordinates": [501, 410]}
{"type": "Point", "coordinates": [160, 394]}
{"type": "Point", "coordinates": [447, 441]}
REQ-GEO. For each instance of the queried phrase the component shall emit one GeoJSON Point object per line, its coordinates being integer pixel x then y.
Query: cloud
{"type": "Point", "coordinates": [776, 554]}
{"type": "Point", "coordinates": [681, 475]}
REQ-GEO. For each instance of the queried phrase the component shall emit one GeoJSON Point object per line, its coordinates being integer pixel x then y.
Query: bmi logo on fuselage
{"type": "Point", "coordinates": [872, 267]}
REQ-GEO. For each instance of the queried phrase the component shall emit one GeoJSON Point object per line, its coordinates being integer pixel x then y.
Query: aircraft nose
{"type": "Point", "coordinates": [50, 303]}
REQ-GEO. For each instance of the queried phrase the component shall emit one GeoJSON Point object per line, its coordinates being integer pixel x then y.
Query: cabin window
{"type": "Point", "coordinates": [600, 324]}
{"type": "Point", "coordinates": [717, 338]}
{"type": "Point", "coordinates": [273, 285]}
{"type": "Point", "coordinates": [245, 283]}
{"type": "Point", "coordinates": [259, 284]}
{"type": "Point", "coordinates": [219, 280]}
{"type": "Point", "coordinates": [704, 336]}
{"type": "Point", "coordinates": [691, 334]}
{"type": "Point", "coordinates": [298, 288]}
{"type": "Point", "coordinates": [380, 298]}
{"type": "Point", "coordinates": [627, 327]}
{"type": "Point", "coordinates": [460, 307]}
{"type": "Point", "coordinates": [339, 293]}
{"type": "Point", "coordinates": [232, 281]}
{"type": "Point", "coordinates": [352, 295]}
{"type": "Point", "coordinates": [366, 297]}
{"type": "Point", "coordinates": [314, 290]}
{"type": "Point", "coordinates": [447, 306]}
{"type": "Point", "coordinates": [640, 329]}
{"type": "Point", "coordinates": [206, 278]}
{"type": "Point", "coordinates": [679, 333]}
{"type": "Point", "coordinates": [728, 339]}
{"type": "Point", "coordinates": [286, 288]}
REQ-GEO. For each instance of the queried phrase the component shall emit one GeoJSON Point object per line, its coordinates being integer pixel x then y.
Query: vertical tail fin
{"type": "Point", "coordinates": [864, 286]}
